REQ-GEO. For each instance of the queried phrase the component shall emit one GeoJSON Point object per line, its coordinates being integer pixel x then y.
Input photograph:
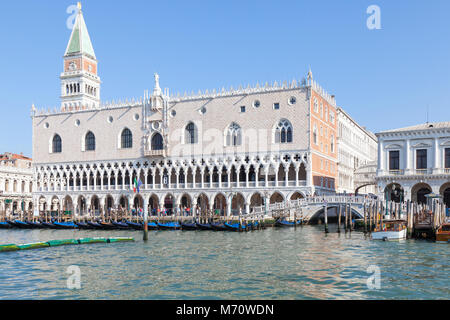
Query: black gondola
{"type": "Point", "coordinates": [234, 227]}
{"type": "Point", "coordinates": [35, 225]}
{"type": "Point", "coordinates": [188, 226]}
{"type": "Point", "coordinates": [84, 226]}
{"type": "Point", "coordinates": [5, 225]}
{"type": "Point", "coordinates": [203, 226]}
{"type": "Point", "coordinates": [65, 225]}
{"type": "Point", "coordinates": [19, 224]}
{"type": "Point", "coordinates": [218, 227]}
{"type": "Point", "coordinates": [169, 226]}
{"type": "Point", "coordinates": [135, 225]}
{"type": "Point", "coordinates": [121, 225]}
{"type": "Point", "coordinates": [48, 225]}
{"type": "Point", "coordinates": [95, 225]}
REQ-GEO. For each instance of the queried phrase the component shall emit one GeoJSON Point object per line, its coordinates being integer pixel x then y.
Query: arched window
{"type": "Point", "coordinates": [315, 134]}
{"type": "Point", "coordinates": [233, 135]}
{"type": "Point", "coordinates": [332, 143]}
{"type": "Point", "coordinates": [157, 142]}
{"type": "Point", "coordinates": [126, 139]}
{"type": "Point", "coordinates": [283, 132]}
{"type": "Point", "coordinates": [57, 144]}
{"type": "Point", "coordinates": [90, 141]}
{"type": "Point", "coordinates": [191, 134]}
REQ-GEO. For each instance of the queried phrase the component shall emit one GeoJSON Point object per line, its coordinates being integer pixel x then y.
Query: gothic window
{"type": "Point", "coordinates": [332, 143]}
{"type": "Point", "coordinates": [57, 144]}
{"type": "Point", "coordinates": [233, 135]}
{"type": "Point", "coordinates": [315, 134]}
{"type": "Point", "coordinates": [283, 132]}
{"type": "Point", "coordinates": [90, 141]}
{"type": "Point", "coordinates": [157, 142]}
{"type": "Point", "coordinates": [316, 105]}
{"type": "Point", "coordinates": [191, 133]}
{"type": "Point", "coordinates": [126, 139]}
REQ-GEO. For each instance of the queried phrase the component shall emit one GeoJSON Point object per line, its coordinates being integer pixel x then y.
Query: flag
{"type": "Point", "coordinates": [137, 184]}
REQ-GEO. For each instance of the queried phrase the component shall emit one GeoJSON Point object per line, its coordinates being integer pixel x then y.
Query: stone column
{"type": "Point", "coordinates": [437, 156]}
{"type": "Point", "coordinates": [408, 166]}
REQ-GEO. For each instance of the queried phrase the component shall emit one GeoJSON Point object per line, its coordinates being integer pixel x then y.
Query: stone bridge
{"type": "Point", "coordinates": [312, 208]}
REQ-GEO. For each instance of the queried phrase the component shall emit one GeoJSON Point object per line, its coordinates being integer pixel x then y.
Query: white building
{"type": "Point", "coordinates": [226, 150]}
{"type": "Point", "coordinates": [414, 161]}
{"type": "Point", "coordinates": [16, 183]}
{"type": "Point", "coordinates": [357, 156]}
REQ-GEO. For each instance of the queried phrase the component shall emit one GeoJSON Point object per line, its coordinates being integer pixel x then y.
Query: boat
{"type": "Point", "coordinates": [120, 225]}
{"type": "Point", "coordinates": [5, 225]}
{"type": "Point", "coordinates": [35, 225]}
{"type": "Point", "coordinates": [234, 227]}
{"type": "Point", "coordinates": [169, 226]}
{"type": "Point", "coordinates": [48, 225]}
{"type": "Point", "coordinates": [95, 225]}
{"type": "Point", "coordinates": [443, 233]}
{"type": "Point", "coordinates": [253, 225]}
{"type": "Point", "coordinates": [188, 226]}
{"type": "Point", "coordinates": [19, 224]}
{"type": "Point", "coordinates": [218, 227]}
{"type": "Point", "coordinates": [391, 230]}
{"type": "Point", "coordinates": [285, 223]}
{"type": "Point", "coordinates": [203, 226]}
{"type": "Point", "coordinates": [107, 225]}
{"type": "Point", "coordinates": [65, 225]}
{"type": "Point", "coordinates": [135, 225]}
{"type": "Point", "coordinates": [84, 226]}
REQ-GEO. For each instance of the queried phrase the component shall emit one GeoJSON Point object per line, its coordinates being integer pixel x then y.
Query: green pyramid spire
{"type": "Point", "coordinates": [80, 42]}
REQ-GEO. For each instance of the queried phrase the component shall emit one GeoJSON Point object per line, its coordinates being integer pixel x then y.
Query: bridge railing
{"type": "Point", "coordinates": [290, 204]}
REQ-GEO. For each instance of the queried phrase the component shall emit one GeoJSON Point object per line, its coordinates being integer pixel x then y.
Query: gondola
{"type": "Point", "coordinates": [95, 225]}
{"type": "Point", "coordinates": [151, 226]}
{"type": "Point", "coordinates": [285, 223]}
{"type": "Point", "coordinates": [169, 226]}
{"type": "Point", "coordinates": [218, 227]}
{"type": "Point", "coordinates": [5, 225]}
{"type": "Point", "coordinates": [19, 224]}
{"type": "Point", "coordinates": [35, 225]}
{"type": "Point", "coordinates": [121, 225]}
{"type": "Point", "coordinates": [188, 226]}
{"type": "Point", "coordinates": [234, 227]}
{"type": "Point", "coordinates": [48, 225]}
{"type": "Point", "coordinates": [203, 226]}
{"type": "Point", "coordinates": [252, 225]}
{"type": "Point", "coordinates": [65, 225]}
{"type": "Point", "coordinates": [107, 225]}
{"type": "Point", "coordinates": [84, 226]}
{"type": "Point", "coordinates": [135, 225]}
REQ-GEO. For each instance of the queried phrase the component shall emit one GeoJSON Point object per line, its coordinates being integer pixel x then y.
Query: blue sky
{"type": "Point", "coordinates": [384, 78]}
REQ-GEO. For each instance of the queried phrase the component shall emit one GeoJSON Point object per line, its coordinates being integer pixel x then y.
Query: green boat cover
{"type": "Point", "coordinates": [119, 239]}
{"type": "Point", "coordinates": [36, 245]}
{"type": "Point", "coordinates": [8, 247]}
{"type": "Point", "coordinates": [56, 243]}
{"type": "Point", "coordinates": [92, 240]}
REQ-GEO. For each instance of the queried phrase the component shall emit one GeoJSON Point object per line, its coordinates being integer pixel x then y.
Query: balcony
{"type": "Point", "coordinates": [155, 153]}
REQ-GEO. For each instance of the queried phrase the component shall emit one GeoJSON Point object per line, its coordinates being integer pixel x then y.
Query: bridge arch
{"type": "Point", "coordinates": [318, 216]}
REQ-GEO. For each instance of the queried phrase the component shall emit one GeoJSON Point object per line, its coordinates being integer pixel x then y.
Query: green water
{"type": "Point", "coordinates": [301, 263]}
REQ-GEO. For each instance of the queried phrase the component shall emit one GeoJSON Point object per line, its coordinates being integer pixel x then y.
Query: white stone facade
{"type": "Point", "coordinates": [416, 160]}
{"type": "Point", "coordinates": [357, 156]}
{"type": "Point", "coordinates": [16, 183]}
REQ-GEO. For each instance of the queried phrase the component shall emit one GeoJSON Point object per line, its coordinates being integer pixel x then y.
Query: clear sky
{"type": "Point", "coordinates": [383, 78]}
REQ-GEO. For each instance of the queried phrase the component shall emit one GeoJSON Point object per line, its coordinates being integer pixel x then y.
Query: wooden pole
{"type": "Point", "coordinates": [339, 219]}
{"type": "Point", "coordinates": [346, 218]}
{"type": "Point", "coordinates": [326, 217]}
{"type": "Point", "coordinates": [365, 217]}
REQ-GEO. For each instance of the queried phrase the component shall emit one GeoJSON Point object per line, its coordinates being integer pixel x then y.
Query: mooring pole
{"type": "Point", "coordinates": [326, 217]}
{"type": "Point", "coordinates": [339, 219]}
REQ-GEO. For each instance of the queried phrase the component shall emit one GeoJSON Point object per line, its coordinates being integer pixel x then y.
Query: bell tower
{"type": "Point", "coordinates": [80, 83]}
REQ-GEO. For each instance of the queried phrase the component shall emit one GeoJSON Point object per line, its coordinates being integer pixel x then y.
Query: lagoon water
{"type": "Point", "coordinates": [301, 263]}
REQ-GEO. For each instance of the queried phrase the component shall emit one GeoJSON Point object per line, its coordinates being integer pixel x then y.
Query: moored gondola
{"type": "Point", "coordinates": [218, 226]}
{"type": "Point", "coordinates": [285, 223]}
{"type": "Point", "coordinates": [135, 225]}
{"type": "Point", "coordinates": [19, 224]}
{"type": "Point", "coordinates": [169, 226]}
{"type": "Point", "coordinates": [84, 226]}
{"type": "Point", "coordinates": [107, 225]}
{"type": "Point", "coordinates": [35, 225]}
{"type": "Point", "coordinates": [234, 227]}
{"type": "Point", "coordinates": [120, 225]}
{"type": "Point", "coordinates": [203, 226]}
{"type": "Point", "coordinates": [5, 225]}
{"type": "Point", "coordinates": [188, 226]}
{"type": "Point", "coordinates": [95, 225]}
{"type": "Point", "coordinates": [65, 225]}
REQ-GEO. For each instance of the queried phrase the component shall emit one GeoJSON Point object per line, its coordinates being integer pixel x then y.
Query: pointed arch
{"type": "Point", "coordinates": [157, 142]}
{"type": "Point", "coordinates": [233, 135]}
{"type": "Point", "coordinates": [126, 139]}
{"type": "Point", "coordinates": [283, 132]}
{"type": "Point", "coordinates": [56, 144]}
{"type": "Point", "coordinates": [89, 141]}
{"type": "Point", "coordinates": [191, 133]}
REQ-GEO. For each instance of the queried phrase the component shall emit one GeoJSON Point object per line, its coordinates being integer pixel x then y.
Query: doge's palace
{"type": "Point", "coordinates": [224, 149]}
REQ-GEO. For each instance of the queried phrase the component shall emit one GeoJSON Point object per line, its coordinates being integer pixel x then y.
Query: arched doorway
{"type": "Point", "coordinates": [109, 202]}
{"type": "Point", "coordinates": [153, 204]}
{"type": "Point", "coordinates": [169, 204]}
{"type": "Point", "coordinates": [419, 191]}
{"type": "Point", "coordinates": [68, 205]}
{"type": "Point", "coordinates": [123, 203]}
{"type": "Point", "coordinates": [238, 204]}
{"type": "Point", "coordinates": [394, 192]}
{"type": "Point", "coordinates": [296, 196]}
{"type": "Point", "coordinates": [138, 203]}
{"type": "Point", "coordinates": [186, 204]}
{"type": "Point", "coordinates": [256, 200]}
{"type": "Point", "coordinates": [276, 198]}
{"type": "Point", "coordinates": [81, 205]}
{"type": "Point", "coordinates": [95, 206]}
{"type": "Point", "coordinates": [445, 193]}
{"type": "Point", "coordinates": [220, 205]}
{"type": "Point", "coordinates": [203, 204]}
